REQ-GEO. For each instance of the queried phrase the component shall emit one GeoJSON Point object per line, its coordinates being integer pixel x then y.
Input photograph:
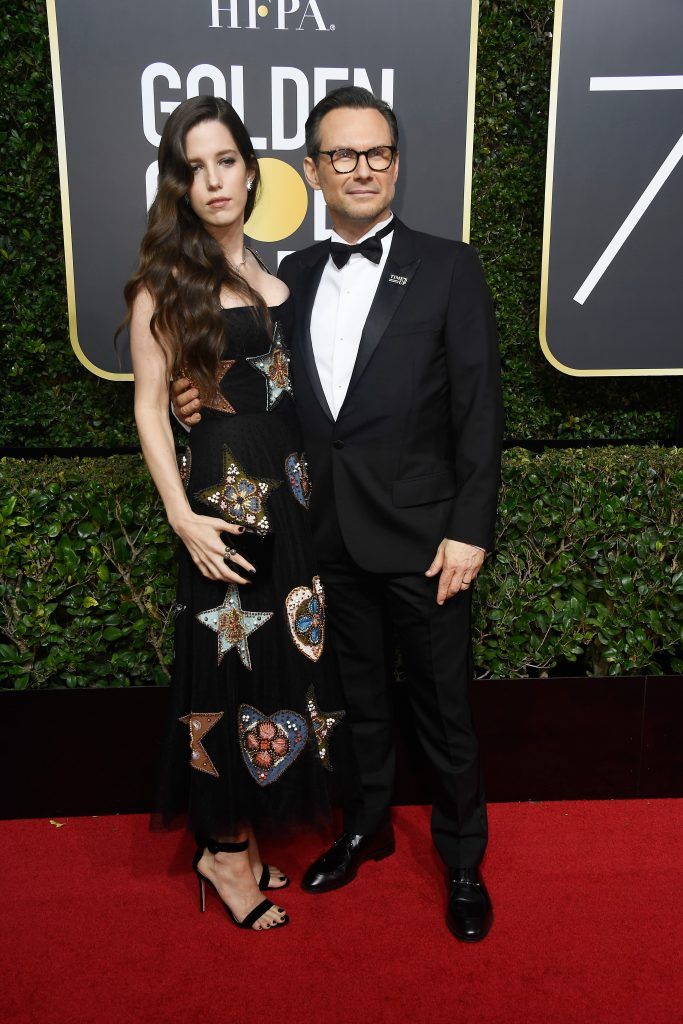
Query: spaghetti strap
{"type": "Point", "coordinates": [262, 265]}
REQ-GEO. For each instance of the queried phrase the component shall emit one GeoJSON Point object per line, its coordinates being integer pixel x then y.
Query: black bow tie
{"type": "Point", "coordinates": [371, 248]}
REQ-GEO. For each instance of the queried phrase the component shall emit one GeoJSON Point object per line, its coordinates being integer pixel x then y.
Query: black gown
{"type": "Point", "coordinates": [256, 715]}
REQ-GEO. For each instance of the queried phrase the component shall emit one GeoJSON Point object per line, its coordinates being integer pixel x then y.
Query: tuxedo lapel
{"type": "Point", "coordinates": [308, 285]}
{"type": "Point", "coordinates": [397, 276]}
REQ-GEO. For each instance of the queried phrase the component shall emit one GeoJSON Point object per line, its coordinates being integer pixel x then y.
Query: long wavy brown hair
{"type": "Point", "coordinates": [180, 263]}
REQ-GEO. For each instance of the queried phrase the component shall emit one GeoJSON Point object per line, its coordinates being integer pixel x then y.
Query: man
{"type": "Point", "coordinates": [396, 370]}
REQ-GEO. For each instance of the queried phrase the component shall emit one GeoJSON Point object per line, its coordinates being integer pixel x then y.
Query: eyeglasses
{"type": "Point", "coordinates": [379, 158]}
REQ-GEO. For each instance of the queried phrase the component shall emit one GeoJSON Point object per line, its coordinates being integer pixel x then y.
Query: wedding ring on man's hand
{"type": "Point", "coordinates": [229, 554]}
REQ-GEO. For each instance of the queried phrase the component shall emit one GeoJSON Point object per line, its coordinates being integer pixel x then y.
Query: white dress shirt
{"type": "Point", "coordinates": [340, 310]}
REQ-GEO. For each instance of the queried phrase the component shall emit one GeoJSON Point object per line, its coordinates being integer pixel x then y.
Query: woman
{"type": "Point", "coordinates": [248, 681]}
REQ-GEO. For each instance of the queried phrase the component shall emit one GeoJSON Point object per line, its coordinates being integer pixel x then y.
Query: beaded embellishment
{"type": "Point", "coordinates": [306, 617]}
{"type": "Point", "coordinates": [239, 497]}
{"type": "Point", "coordinates": [322, 722]}
{"type": "Point", "coordinates": [270, 744]}
{"type": "Point", "coordinates": [233, 625]}
{"type": "Point", "coordinates": [218, 401]}
{"type": "Point", "coordinates": [296, 471]}
{"type": "Point", "coordinates": [199, 725]}
{"type": "Point", "coordinates": [274, 365]}
{"type": "Point", "coordinates": [185, 466]}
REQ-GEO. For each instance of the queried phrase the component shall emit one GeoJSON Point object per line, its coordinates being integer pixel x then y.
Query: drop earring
{"type": "Point", "coordinates": [187, 199]}
{"type": "Point", "coordinates": [250, 182]}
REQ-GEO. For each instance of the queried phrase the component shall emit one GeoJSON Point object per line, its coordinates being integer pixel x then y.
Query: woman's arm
{"type": "Point", "coordinates": [200, 534]}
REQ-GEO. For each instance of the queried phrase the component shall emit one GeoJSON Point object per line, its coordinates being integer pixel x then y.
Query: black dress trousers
{"type": "Point", "coordinates": [436, 647]}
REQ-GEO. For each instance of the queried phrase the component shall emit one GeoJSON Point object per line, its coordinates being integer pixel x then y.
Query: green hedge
{"type": "Point", "coordinates": [50, 399]}
{"type": "Point", "coordinates": [86, 590]}
{"type": "Point", "coordinates": [587, 576]}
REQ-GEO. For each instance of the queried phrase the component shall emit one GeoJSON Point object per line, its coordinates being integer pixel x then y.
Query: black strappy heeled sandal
{"type": "Point", "coordinates": [258, 911]}
{"type": "Point", "coordinates": [264, 882]}
{"type": "Point", "coordinates": [266, 874]}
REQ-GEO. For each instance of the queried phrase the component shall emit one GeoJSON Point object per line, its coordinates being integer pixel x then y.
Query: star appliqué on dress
{"type": "Point", "coordinates": [185, 466]}
{"type": "Point", "coordinates": [199, 725]}
{"type": "Point", "coordinates": [323, 722]}
{"type": "Point", "coordinates": [233, 625]}
{"type": "Point", "coordinates": [274, 365]}
{"type": "Point", "coordinates": [218, 400]}
{"type": "Point", "coordinates": [240, 497]}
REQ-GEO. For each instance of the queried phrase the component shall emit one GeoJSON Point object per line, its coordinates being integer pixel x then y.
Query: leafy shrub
{"type": "Point", "coordinates": [87, 574]}
{"type": "Point", "coordinates": [587, 577]}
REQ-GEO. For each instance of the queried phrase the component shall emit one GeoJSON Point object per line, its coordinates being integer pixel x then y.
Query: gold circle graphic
{"type": "Point", "coordinates": [263, 11]}
{"type": "Point", "coordinates": [282, 205]}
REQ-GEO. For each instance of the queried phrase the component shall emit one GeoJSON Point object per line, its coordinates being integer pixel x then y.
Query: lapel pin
{"type": "Point", "coordinates": [398, 279]}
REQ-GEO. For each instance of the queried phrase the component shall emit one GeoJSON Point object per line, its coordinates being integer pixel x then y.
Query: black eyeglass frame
{"type": "Point", "coordinates": [359, 153]}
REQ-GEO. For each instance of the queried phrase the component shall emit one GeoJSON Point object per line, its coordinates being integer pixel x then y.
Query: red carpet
{"type": "Point", "coordinates": [101, 925]}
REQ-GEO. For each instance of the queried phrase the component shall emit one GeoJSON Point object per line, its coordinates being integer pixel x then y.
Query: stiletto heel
{"type": "Point", "coordinates": [256, 912]}
{"type": "Point", "coordinates": [200, 878]}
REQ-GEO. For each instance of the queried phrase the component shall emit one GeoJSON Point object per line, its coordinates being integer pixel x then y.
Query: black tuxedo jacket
{"type": "Point", "coordinates": [414, 455]}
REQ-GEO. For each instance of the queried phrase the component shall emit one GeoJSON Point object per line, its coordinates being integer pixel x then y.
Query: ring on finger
{"type": "Point", "coordinates": [229, 553]}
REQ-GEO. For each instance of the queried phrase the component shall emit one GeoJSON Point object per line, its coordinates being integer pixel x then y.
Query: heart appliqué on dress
{"type": "Point", "coordinates": [270, 744]}
{"type": "Point", "coordinates": [306, 617]}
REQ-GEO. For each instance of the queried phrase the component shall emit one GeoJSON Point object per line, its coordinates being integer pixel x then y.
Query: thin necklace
{"type": "Point", "coordinates": [239, 265]}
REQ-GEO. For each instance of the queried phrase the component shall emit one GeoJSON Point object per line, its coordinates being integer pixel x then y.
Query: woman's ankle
{"type": "Point", "coordinates": [233, 864]}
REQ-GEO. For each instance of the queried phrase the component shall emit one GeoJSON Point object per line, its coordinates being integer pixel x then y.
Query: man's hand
{"type": "Point", "coordinates": [185, 401]}
{"type": "Point", "coordinates": [458, 564]}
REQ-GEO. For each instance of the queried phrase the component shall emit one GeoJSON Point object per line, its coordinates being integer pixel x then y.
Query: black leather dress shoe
{"type": "Point", "coordinates": [470, 914]}
{"type": "Point", "coordinates": [340, 864]}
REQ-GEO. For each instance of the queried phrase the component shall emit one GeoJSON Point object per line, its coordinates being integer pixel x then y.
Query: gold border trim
{"type": "Point", "coordinates": [469, 131]}
{"type": "Point", "coordinates": [66, 209]}
{"type": "Point", "coordinates": [547, 211]}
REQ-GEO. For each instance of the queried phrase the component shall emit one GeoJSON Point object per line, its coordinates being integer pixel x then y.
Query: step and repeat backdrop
{"type": "Point", "coordinates": [611, 303]}
{"type": "Point", "coordinates": [120, 68]}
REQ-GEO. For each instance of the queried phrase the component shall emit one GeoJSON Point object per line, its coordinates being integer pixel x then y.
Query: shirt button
{"type": "Point", "coordinates": [338, 445]}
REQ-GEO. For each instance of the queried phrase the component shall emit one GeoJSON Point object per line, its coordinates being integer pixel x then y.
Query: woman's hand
{"type": "Point", "coordinates": [201, 535]}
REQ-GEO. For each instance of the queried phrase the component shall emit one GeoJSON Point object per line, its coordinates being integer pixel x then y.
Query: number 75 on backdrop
{"type": "Point", "coordinates": [611, 289]}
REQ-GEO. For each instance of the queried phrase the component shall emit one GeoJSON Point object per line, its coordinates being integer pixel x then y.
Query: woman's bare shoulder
{"type": "Point", "coordinates": [143, 303]}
